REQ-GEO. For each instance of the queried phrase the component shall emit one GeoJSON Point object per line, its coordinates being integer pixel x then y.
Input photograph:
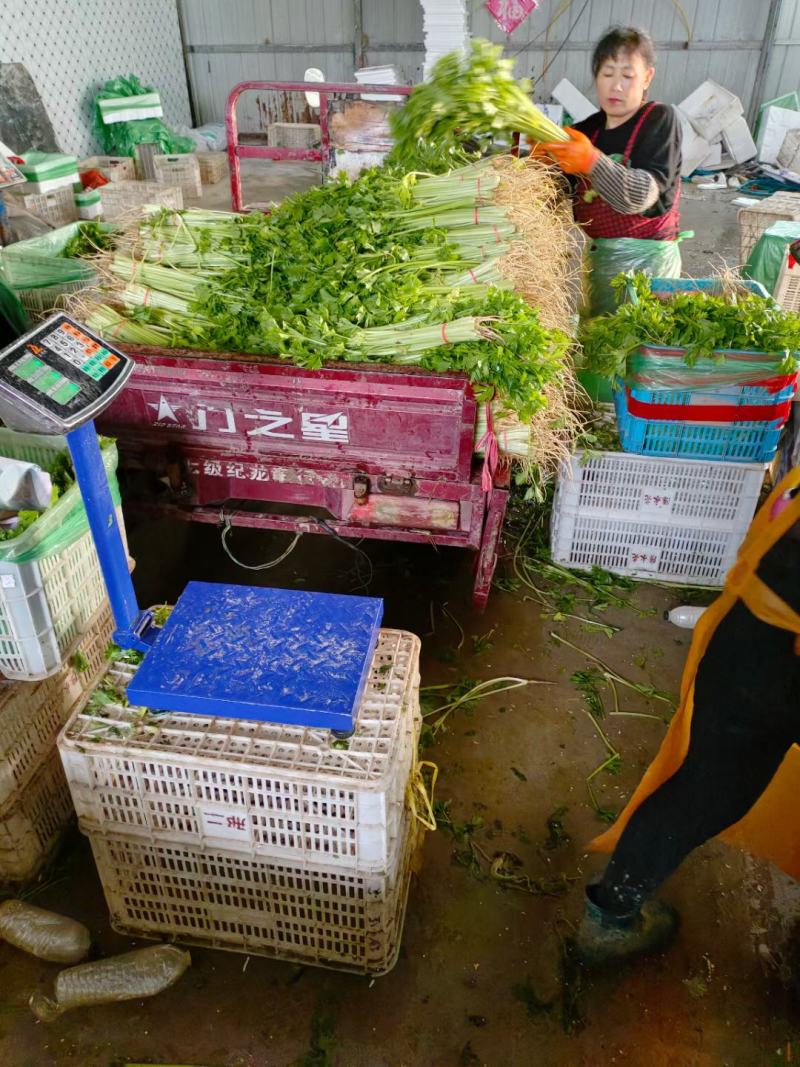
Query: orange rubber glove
{"type": "Point", "coordinates": [576, 156]}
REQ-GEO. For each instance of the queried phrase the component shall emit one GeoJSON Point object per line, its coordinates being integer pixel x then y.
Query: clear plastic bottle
{"type": "Point", "coordinates": [43, 933]}
{"type": "Point", "coordinates": [141, 973]}
{"type": "Point", "coordinates": [686, 616]}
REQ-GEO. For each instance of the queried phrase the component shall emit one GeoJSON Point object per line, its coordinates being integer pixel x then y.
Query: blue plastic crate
{"type": "Point", "coordinates": [737, 441]}
{"type": "Point", "coordinates": [740, 442]}
{"type": "Point", "coordinates": [700, 285]}
{"type": "Point", "coordinates": [729, 395]}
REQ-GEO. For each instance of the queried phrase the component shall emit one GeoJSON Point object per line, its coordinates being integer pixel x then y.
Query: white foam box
{"type": "Point", "coordinates": [776, 122]}
{"type": "Point", "coordinates": [710, 108]}
{"type": "Point", "coordinates": [737, 140]}
{"type": "Point", "coordinates": [554, 112]}
{"type": "Point", "coordinates": [694, 148]}
{"type": "Point", "coordinates": [577, 106]}
{"type": "Point", "coordinates": [789, 155]}
{"type": "Point", "coordinates": [714, 156]}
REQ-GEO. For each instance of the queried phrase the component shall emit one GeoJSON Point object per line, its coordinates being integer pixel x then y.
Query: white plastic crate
{"type": "Point", "coordinates": [114, 168]}
{"type": "Point", "coordinates": [672, 520]}
{"type": "Point", "coordinates": [293, 134]}
{"type": "Point", "coordinates": [56, 208]}
{"type": "Point", "coordinates": [787, 287]}
{"type": "Point", "coordinates": [121, 198]}
{"type": "Point", "coordinates": [754, 220]}
{"type": "Point", "coordinates": [32, 822]}
{"type": "Point", "coordinates": [303, 913]}
{"type": "Point", "coordinates": [46, 604]}
{"type": "Point", "coordinates": [32, 713]}
{"type": "Point", "coordinates": [41, 303]}
{"type": "Point", "coordinates": [213, 167]}
{"type": "Point", "coordinates": [182, 170]}
{"type": "Point", "coordinates": [256, 787]}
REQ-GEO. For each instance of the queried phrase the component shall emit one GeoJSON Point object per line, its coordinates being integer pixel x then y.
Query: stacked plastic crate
{"type": "Point", "coordinates": [678, 509]}
{"type": "Point", "coordinates": [55, 628]}
{"type": "Point", "coordinates": [735, 423]}
{"type": "Point", "coordinates": [35, 805]}
{"type": "Point", "coordinates": [251, 836]}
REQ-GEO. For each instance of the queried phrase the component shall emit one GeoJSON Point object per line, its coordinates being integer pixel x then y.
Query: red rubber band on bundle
{"type": "Point", "coordinates": [472, 275]}
{"type": "Point", "coordinates": [708, 412]}
{"type": "Point", "coordinates": [476, 214]}
{"type": "Point", "coordinates": [497, 233]}
{"type": "Point", "coordinates": [444, 334]}
{"type": "Point", "coordinates": [491, 456]}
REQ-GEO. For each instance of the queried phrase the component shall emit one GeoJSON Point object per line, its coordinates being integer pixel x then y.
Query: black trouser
{"type": "Point", "coordinates": [746, 717]}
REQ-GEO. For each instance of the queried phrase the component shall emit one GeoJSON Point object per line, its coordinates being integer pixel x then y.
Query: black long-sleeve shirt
{"type": "Point", "coordinates": [648, 185]}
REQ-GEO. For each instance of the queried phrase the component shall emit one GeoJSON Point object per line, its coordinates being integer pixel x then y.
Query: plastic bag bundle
{"type": "Point", "coordinates": [654, 368]}
{"type": "Point", "coordinates": [62, 524]}
{"type": "Point", "coordinates": [23, 486]}
{"type": "Point", "coordinates": [609, 256]}
{"type": "Point", "coordinates": [134, 975]}
{"type": "Point", "coordinates": [13, 320]}
{"type": "Point", "coordinates": [44, 934]}
{"type": "Point", "coordinates": [121, 138]}
{"type": "Point", "coordinates": [40, 262]}
{"type": "Point", "coordinates": [768, 253]}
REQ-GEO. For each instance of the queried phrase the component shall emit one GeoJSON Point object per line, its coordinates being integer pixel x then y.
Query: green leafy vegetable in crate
{"type": "Point", "coordinates": [92, 237]}
{"type": "Point", "coordinates": [702, 323]}
{"type": "Point", "coordinates": [62, 477]}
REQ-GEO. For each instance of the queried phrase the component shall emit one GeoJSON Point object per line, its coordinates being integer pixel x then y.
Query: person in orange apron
{"type": "Point", "coordinates": [625, 165]}
{"type": "Point", "coordinates": [730, 763]}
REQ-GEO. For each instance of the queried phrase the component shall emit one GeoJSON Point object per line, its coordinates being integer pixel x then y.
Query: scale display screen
{"type": "Point", "coordinates": [59, 375]}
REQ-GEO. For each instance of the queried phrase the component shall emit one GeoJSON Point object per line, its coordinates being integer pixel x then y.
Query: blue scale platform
{"type": "Point", "coordinates": [276, 655]}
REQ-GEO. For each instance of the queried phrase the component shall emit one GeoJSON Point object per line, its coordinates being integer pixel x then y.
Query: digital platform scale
{"type": "Point", "coordinates": [276, 655]}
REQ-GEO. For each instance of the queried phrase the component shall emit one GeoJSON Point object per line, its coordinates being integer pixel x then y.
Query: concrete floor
{"type": "Point", "coordinates": [480, 980]}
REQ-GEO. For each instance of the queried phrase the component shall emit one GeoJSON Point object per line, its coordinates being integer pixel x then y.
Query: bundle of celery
{"type": "Point", "coordinates": [390, 267]}
{"type": "Point", "coordinates": [468, 101]}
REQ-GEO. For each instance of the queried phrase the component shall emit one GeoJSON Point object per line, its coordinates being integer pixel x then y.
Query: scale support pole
{"type": "Point", "coordinates": [131, 624]}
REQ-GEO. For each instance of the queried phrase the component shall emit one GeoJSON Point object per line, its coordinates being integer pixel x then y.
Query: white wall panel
{"type": "Point", "coordinates": [71, 47]}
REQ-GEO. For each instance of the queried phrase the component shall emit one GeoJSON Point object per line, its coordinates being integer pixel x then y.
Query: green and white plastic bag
{"type": "Point", "coordinates": [606, 257]}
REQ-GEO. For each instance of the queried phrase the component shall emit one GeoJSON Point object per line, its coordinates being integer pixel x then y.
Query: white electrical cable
{"type": "Point", "coordinates": [227, 527]}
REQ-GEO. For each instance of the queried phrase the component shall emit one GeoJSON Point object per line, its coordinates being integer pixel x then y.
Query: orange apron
{"type": "Point", "coordinates": [771, 828]}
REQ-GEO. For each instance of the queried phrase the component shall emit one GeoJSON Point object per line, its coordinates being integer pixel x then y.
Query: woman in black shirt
{"type": "Point", "coordinates": [626, 159]}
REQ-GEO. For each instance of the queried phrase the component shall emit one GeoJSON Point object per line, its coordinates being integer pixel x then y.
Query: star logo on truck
{"type": "Point", "coordinates": [164, 410]}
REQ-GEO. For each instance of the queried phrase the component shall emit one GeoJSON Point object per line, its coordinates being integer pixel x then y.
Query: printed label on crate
{"type": "Point", "coordinates": [656, 501]}
{"type": "Point", "coordinates": [8, 581]}
{"type": "Point", "coordinates": [644, 557]}
{"type": "Point", "coordinates": [227, 822]}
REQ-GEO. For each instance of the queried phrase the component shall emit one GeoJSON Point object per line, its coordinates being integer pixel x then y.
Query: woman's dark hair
{"type": "Point", "coordinates": [623, 39]}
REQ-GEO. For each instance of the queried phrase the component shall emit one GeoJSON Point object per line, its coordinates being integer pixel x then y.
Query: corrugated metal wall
{"type": "Point", "coordinates": [70, 48]}
{"type": "Point", "coordinates": [267, 40]}
{"type": "Point", "coordinates": [783, 75]}
{"type": "Point", "coordinates": [248, 39]}
{"type": "Point", "coordinates": [726, 37]}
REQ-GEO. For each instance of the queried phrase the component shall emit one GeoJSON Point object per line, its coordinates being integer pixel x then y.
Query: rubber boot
{"type": "Point", "coordinates": [604, 937]}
